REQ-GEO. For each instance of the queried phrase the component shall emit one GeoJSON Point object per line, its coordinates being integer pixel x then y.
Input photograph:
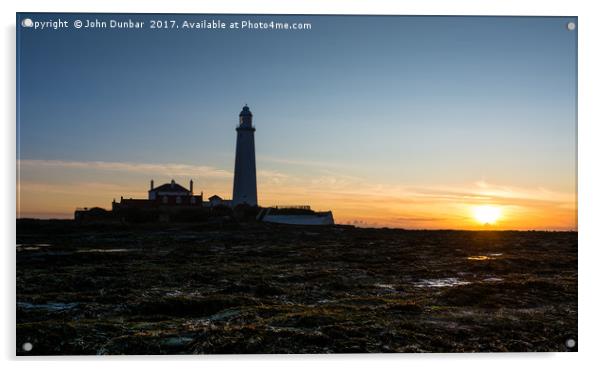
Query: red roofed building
{"type": "Point", "coordinates": [166, 195]}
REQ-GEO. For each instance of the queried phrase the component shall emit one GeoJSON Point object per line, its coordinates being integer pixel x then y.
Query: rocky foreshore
{"type": "Point", "coordinates": [260, 288]}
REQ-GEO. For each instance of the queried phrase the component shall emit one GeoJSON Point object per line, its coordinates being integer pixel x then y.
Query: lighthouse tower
{"type": "Point", "coordinates": [245, 180]}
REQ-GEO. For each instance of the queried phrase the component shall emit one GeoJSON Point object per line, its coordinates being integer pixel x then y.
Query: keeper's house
{"type": "Point", "coordinates": [166, 195]}
{"type": "Point", "coordinates": [169, 201]}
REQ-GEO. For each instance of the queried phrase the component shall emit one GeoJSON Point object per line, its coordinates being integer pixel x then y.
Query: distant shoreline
{"type": "Point", "coordinates": [172, 225]}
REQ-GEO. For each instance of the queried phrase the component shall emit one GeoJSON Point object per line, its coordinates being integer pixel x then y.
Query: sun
{"type": "Point", "coordinates": [486, 214]}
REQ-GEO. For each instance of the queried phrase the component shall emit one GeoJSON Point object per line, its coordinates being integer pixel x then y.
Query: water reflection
{"type": "Point", "coordinates": [440, 282]}
{"type": "Point", "coordinates": [479, 257]}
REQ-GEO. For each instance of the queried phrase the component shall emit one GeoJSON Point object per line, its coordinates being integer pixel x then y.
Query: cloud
{"type": "Point", "coordinates": [420, 219]}
{"type": "Point", "coordinates": [88, 188]}
{"type": "Point", "coordinates": [272, 177]}
{"type": "Point", "coordinates": [299, 162]}
{"type": "Point", "coordinates": [351, 198]}
{"type": "Point", "coordinates": [169, 169]}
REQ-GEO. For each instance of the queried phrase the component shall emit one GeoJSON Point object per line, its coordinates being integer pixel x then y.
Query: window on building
{"type": "Point", "coordinates": [165, 199]}
{"type": "Point", "coordinates": [178, 200]}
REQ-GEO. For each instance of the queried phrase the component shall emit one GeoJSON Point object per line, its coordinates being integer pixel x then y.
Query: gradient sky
{"type": "Point", "coordinates": [386, 120]}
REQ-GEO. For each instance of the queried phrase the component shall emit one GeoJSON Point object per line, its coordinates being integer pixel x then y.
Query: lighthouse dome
{"type": "Point", "coordinates": [246, 112]}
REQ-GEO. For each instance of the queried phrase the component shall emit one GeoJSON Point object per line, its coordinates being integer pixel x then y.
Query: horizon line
{"type": "Point", "coordinates": [354, 226]}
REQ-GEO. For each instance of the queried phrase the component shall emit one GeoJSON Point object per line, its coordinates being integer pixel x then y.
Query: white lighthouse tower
{"type": "Point", "coordinates": [245, 179]}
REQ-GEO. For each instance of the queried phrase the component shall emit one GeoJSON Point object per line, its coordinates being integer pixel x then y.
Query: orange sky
{"type": "Point", "coordinates": [53, 189]}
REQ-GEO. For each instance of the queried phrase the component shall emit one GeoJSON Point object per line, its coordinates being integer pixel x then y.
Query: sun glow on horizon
{"type": "Point", "coordinates": [54, 189]}
{"type": "Point", "coordinates": [486, 214]}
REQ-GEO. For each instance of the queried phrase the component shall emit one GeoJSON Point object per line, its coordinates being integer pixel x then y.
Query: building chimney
{"type": "Point", "coordinates": [191, 186]}
{"type": "Point", "coordinates": [152, 185]}
{"type": "Point", "coordinates": [173, 183]}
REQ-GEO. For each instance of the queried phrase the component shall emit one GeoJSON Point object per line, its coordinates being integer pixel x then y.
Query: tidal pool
{"type": "Point", "coordinates": [440, 282]}
{"type": "Point", "coordinates": [50, 306]}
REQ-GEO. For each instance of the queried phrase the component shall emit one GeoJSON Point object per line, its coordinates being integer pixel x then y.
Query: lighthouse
{"type": "Point", "coordinates": [245, 179]}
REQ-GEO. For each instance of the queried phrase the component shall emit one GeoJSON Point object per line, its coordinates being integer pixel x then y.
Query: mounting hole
{"type": "Point", "coordinates": [27, 346]}
{"type": "Point", "coordinates": [570, 343]}
{"type": "Point", "coordinates": [571, 26]}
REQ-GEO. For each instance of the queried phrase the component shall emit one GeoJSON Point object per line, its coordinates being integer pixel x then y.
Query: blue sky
{"type": "Point", "coordinates": [418, 101]}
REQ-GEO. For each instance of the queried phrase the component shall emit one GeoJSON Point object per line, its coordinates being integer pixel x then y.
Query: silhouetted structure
{"type": "Point", "coordinates": [168, 194]}
{"type": "Point", "coordinates": [173, 202]}
{"type": "Point", "coordinates": [168, 202]}
{"type": "Point", "coordinates": [245, 180]}
{"type": "Point", "coordinates": [218, 201]}
{"type": "Point", "coordinates": [300, 215]}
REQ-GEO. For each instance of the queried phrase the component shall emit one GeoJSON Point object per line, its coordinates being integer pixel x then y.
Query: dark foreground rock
{"type": "Point", "coordinates": [280, 289]}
